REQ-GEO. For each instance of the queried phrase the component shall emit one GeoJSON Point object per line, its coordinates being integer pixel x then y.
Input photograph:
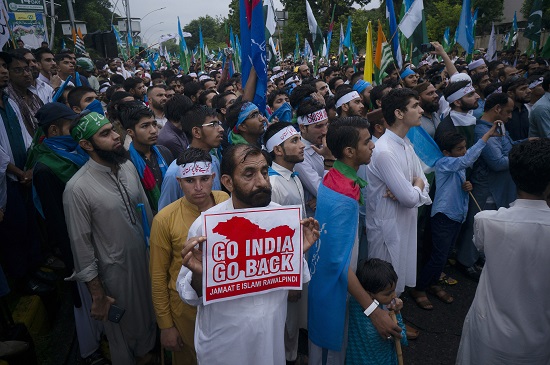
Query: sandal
{"type": "Point", "coordinates": [422, 300]}
{"type": "Point", "coordinates": [447, 280]}
{"type": "Point", "coordinates": [441, 294]}
{"type": "Point", "coordinates": [412, 333]}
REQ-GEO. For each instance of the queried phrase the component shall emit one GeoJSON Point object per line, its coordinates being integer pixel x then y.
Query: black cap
{"type": "Point", "coordinates": [51, 112]}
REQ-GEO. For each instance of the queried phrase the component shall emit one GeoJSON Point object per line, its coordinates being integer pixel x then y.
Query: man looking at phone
{"type": "Point", "coordinates": [107, 240]}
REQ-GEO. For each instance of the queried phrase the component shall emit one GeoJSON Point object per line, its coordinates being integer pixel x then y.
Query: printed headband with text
{"type": "Point", "coordinates": [460, 93]}
{"type": "Point", "coordinates": [280, 137]}
{"type": "Point", "coordinates": [192, 169]}
{"type": "Point", "coordinates": [314, 117]}
{"type": "Point", "coordinates": [347, 98]}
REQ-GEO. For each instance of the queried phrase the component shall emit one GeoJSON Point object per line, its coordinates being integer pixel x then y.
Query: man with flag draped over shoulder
{"type": "Point", "coordinates": [333, 258]}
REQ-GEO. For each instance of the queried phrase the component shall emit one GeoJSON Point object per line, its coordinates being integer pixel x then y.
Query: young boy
{"type": "Point", "coordinates": [365, 345]}
{"type": "Point", "coordinates": [448, 210]}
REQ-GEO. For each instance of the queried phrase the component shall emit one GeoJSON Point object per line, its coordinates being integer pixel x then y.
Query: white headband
{"type": "Point", "coordinates": [347, 98]}
{"type": "Point", "coordinates": [535, 83]}
{"type": "Point", "coordinates": [280, 137]}
{"type": "Point", "coordinates": [314, 117]}
{"type": "Point", "coordinates": [192, 169]}
{"type": "Point", "coordinates": [460, 93]}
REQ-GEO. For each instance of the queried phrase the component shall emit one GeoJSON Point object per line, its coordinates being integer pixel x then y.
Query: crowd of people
{"type": "Point", "coordinates": [106, 166]}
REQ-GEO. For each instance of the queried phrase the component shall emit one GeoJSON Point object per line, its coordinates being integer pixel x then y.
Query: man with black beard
{"type": "Point", "coordinates": [429, 101]}
{"type": "Point", "coordinates": [107, 240]}
{"type": "Point", "coordinates": [462, 99]}
{"type": "Point", "coordinates": [225, 332]}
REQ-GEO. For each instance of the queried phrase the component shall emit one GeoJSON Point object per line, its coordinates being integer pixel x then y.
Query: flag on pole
{"type": "Point", "coordinates": [534, 22]}
{"type": "Point", "coordinates": [308, 52]}
{"type": "Point", "coordinates": [347, 42]}
{"type": "Point", "coordinates": [316, 34]}
{"type": "Point", "coordinates": [513, 34]}
{"type": "Point", "coordinates": [79, 47]}
{"type": "Point", "coordinates": [254, 48]}
{"type": "Point", "coordinates": [383, 57]}
{"type": "Point", "coordinates": [447, 39]}
{"type": "Point", "coordinates": [184, 58]}
{"type": "Point", "coordinates": [412, 18]}
{"type": "Point", "coordinates": [297, 49]}
{"type": "Point", "coordinates": [201, 48]}
{"type": "Point", "coordinates": [369, 67]}
{"type": "Point", "coordinates": [491, 54]}
{"type": "Point", "coordinates": [390, 15]}
{"type": "Point", "coordinates": [329, 34]}
{"type": "Point", "coordinates": [465, 28]}
{"type": "Point", "coordinates": [341, 45]}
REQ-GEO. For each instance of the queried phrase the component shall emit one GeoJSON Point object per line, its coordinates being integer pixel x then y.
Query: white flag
{"type": "Point", "coordinates": [412, 18]}
{"type": "Point", "coordinates": [491, 54]}
{"type": "Point", "coordinates": [4, 32]}
{"type": "Point", "coordinates": [163, 38]}
{"type": "Point", "coordinates": [270, 22]}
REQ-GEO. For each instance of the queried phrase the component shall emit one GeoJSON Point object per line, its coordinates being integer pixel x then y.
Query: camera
{"type": "Point", "coordinates": [426, 47]}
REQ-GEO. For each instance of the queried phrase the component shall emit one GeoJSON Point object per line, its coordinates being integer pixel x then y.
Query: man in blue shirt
{"type": "Point", "coordinates": [539, 118]}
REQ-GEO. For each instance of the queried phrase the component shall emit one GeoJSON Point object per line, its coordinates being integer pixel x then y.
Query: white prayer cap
{"type": "Point", "coordinates": [475, 64]}
{"type": "Point", "coordinates": [460, 76]}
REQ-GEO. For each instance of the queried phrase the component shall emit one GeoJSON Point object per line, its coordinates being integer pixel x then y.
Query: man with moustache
{"type": "Point", "coordinates": [286, 149]}
{"type": "Point", "coordinates": [151, 161]}
{"type": "Point", "coordinates": [18, 89]}
{"type": "Point", "coordinates": [348, 102]}
{"type": "Point", "coordinates": [518, 90]}
{"type": "Point", "coordinates": [157, 100]}
{"type": "Point", "coordinates": [107, 239]}
{"type": "Point", "coordinates": [247, 330]}
{"type": "Point", "coordinates": [38, 87]}
{"type": "Point", "coordinates": [462, 98]}
{"type": "Point", "coordinates": [429, 102]}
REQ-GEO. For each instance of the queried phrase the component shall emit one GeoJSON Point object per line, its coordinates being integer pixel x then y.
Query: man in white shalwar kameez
{"type": "Point", "coordinates": [248, 330]}
{"type": "Point", "coordinates": [509, 320]}
{"type": "Point", "coordinates": [396, 188]}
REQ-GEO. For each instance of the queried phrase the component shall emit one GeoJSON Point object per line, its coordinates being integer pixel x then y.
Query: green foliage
{"type": "Point", "coordinates": [213, 32]}
{"type": "Point", "coordinates": [448, 16]}
{"type": "Point", "coordinates": [526, 11]}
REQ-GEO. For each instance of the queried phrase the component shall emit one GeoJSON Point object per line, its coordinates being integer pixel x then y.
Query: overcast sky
{"type": "Point", "coordinates": [187, 10]}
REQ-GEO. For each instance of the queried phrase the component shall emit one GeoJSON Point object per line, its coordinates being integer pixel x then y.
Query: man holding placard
{"type": "Point", "coordinates": [248, 327]}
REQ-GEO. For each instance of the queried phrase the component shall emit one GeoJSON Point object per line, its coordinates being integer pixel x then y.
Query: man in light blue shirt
{"type": "Point", "coordinates": [204, 130]}
{"type": "Point", "coordinates": [539, 118]}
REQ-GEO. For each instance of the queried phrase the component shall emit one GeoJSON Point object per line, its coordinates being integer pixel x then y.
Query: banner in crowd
{"type": "Point", "coordinates": [29, 27]}
{"type": "Point", "coordinates": [251, 251]}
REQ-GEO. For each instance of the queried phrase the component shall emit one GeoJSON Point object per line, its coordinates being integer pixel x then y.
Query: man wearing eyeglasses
{"type": "Point", "coordinates": [18, 89]}
{"type": "Point", "coordinates": [202, 127]}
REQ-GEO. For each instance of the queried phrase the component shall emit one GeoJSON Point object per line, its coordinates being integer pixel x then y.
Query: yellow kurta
{"type": "Point", "coordinates": [168, 235]}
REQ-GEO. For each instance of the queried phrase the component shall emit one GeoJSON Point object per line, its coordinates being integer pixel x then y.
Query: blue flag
{"type": "Point", "coordinates": [394, 38]}
{"type": "Point", "coordinates": [253, 48]}
{"type": "Point", "coordinates": [347, 38]}
{"type": "Point", "coordinates": [465, 28]}
{"type": "Point", "coordinates": [424, 146]}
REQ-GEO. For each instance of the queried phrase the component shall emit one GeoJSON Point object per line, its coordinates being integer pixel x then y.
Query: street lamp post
{"type": "Point", "coordinates": [152, 11]}
{"type": "Point", "coordinates": [145, 31]}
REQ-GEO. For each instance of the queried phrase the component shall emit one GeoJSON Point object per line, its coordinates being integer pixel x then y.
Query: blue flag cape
{"type": "Point", "coordinates": [329, 260]}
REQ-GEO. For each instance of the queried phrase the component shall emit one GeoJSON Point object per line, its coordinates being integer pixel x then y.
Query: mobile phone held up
{"type": "Point", "coordinates": [427, 47]}
{"type": "Point", "coordinates": [115, 313]}
{"type": "Point", "coordinates": [499, 128]}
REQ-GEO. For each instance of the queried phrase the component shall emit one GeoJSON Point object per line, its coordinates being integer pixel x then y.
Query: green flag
{"type": "Point", "coordinates": [533, 28]}
{"type": "Point", "coordinates": [546, 50]}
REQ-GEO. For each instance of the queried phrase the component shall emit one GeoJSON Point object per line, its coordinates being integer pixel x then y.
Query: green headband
{"type": "Point", "coordinates": [88, 125]}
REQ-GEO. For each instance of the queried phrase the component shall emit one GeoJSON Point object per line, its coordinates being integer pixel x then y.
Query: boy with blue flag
{"type": "Point", "coordinates": [333, 258]}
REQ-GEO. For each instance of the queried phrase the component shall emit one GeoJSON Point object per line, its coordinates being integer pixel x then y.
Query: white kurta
{"type": "Point", "coordinates": [509, 320]}
{"type": "Point", "coordinates": [242, 331]}
{"type": "Point", "coordinates": [311, 172]}
{"type": "Point", "coordinates": [391, 225]}
{"type": "Point", "coordinates": [286, 189]}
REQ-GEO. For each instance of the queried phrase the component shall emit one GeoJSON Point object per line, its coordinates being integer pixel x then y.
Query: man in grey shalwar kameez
{"type": "Point", "coordinates": [107, 239]}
